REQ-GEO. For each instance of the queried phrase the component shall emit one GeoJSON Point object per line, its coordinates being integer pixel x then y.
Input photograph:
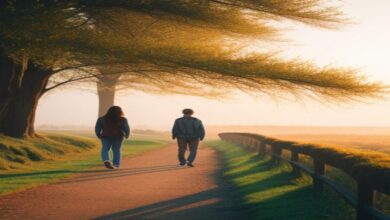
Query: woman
{"type": "Point", "coordinates": [112, 128]}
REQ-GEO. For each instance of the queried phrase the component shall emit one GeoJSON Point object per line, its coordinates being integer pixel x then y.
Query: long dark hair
{"type": "Point", "coordinates": [114, 114]}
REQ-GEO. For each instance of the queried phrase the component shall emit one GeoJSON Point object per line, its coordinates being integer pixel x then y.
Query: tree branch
{"type": "Point", "coordinates": [86, 65]}
{"type": "Point", "coordinates": [67, 81]}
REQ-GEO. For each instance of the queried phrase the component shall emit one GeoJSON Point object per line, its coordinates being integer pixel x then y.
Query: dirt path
{"type": "Point", "coordinates": [149, 186]}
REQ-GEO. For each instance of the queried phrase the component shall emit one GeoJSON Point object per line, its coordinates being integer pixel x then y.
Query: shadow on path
{"type": "Point", "coordinates": [181, 208]}
{"type": "Point", "coordinates": [104, 174]}
{"type": "Point", "coordinates": [218, 202]}
{"type": "Point", "coordinates": [97, 172]}
{"type": "Point", "coordinates": [150, 186]}
{"type": "Point", "coordinates": [50, 172]}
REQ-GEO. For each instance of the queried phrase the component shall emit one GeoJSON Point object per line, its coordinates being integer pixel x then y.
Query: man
{"type": "Point", "coordinates": [188, 131]}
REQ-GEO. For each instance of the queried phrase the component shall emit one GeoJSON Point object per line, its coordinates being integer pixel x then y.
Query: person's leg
{"type": "Point", "coordinates": [182, 145]}
{"type": "Point", "coordinates": [116, 150]}
{"type": "Point", "coordinates": [106, 146]}
{"type": "Point", "coordinates": [193, 145]}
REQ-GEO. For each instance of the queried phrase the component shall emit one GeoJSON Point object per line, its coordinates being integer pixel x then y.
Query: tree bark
{"type": "Point", "coordinates": [23, 86]}
{"type": "Point", "coordinates": [106, 86]}
{"type": "Point", "coordinates": [10, 75]}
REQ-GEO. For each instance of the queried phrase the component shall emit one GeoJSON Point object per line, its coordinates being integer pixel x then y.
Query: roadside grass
{"type": "Point", "coordinates": [20, 154]}
{"type": "Point", "coordinates": [273, 191]}
{"type": "Point", "coordinates": [29, 163]}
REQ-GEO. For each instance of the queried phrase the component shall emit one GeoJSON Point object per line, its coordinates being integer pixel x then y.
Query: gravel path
{"type": "Point", "coordinates": [148, 186]}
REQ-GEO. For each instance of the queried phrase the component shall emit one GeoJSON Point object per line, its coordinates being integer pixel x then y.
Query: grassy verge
{"type": "Point", "coordinates": [29, 163]}
{"type": "Point", "coordinates": [273, 192]}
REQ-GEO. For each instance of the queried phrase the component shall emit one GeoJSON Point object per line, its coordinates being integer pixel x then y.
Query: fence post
{"type": "Point", "coordinates": [252, 144]}
{"type": "Point", "coordinates": [262, 148]}
{"type": "Point", "coordinates": [295, 158]}
{"type": "Point", "coordinates": [319, 170]}
{"type": "Point", "coordinates": [365, 198]}
{"type": "Point", "coordinates": [247, 143]}
{"type": "Point", "coordinates": [277, 153]}
{"type": "Point", "coordinates": [236, 140]}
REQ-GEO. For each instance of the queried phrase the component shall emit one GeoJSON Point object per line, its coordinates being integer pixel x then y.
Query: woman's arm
{"type": "Point", "coordinates": [98, 128]}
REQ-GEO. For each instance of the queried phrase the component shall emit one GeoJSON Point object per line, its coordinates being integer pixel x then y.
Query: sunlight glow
{"type": "Point", "coordinates": [364, 44]}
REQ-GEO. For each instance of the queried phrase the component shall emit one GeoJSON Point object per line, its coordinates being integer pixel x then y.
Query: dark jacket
{"type": "Point", "coordinates": [188, 127]}
{"type": "Point", "coordinates": [104, 128]}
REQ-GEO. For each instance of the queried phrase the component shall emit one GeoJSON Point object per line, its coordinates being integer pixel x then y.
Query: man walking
{"type": "Point", "coordinates": [188, 131]}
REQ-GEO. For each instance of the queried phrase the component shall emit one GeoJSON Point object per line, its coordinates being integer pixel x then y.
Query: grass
{"type": "Point", "coordinates": [273, 191]}
{"type": "Point", "coordinates": [33, 162]}
{"type": "Point", "coordinates": [19, 154]}
{"type": "Point", "coordinates": [371, 166]}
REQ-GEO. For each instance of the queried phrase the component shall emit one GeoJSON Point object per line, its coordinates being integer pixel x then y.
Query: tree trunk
{"type": "Point", "coordinates": [106, 86]}
{"type": "Point", "coordinates": [23, 87]}
{"type": "Point", "coordinates": [10, 75]}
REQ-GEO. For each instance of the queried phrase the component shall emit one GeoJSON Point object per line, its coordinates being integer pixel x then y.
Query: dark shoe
{"type": "Point", "coordinates": [108, 165]}
{"type": "Point", "coordinates": [182, 164]}
{"type": "Point", "coordinates": [190, 164]}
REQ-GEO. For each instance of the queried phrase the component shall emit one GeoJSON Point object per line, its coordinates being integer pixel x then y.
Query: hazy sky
{"type": "Point", "coordinates": [365, 44]}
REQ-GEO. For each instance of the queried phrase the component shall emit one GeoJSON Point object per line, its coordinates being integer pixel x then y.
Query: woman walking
{"type": "Point", "coordinates": [112, 128]}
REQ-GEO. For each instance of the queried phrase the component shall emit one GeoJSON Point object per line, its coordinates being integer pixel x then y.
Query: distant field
{"type": "Point", "coordinates": [28, 163]}
{"type": "Point", "coordinates": [293, 130]}
{"type": "Point", "coordinates": [135, 133]}
{"type": "Point", "coordinates": [365, 142]}
{"type": "Point", "coordinates": [367, 138]}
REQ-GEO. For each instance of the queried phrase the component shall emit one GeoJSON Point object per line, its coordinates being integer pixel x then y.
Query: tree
{"type": "Point", "coordinates": [280, 73]}
{"type": "Point", "coordinates": [39, 40]}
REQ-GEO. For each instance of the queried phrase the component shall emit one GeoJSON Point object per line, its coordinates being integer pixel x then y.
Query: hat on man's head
{"type": "Point", "coordinates": [188, 111]}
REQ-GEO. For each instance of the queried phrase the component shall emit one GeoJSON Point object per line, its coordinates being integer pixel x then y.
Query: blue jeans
{"type": "Point", "coordinates": [115, 144]}
{"type": "Point", "coordinates": [184, 143]}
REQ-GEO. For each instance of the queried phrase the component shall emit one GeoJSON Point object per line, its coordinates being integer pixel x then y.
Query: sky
{"type": "Point", "coordinates": [364, 44]}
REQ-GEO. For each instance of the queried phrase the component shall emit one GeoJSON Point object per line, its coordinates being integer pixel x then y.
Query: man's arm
{"type": "Point", "coordinates": [126, 128]}
{"type": "Point", "coordinates": [174, 130]}
{"type": "Point", "coordinates": [202, 132]}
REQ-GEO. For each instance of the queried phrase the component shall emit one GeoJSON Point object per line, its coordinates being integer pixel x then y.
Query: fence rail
{"type": "Point", "coordinates": [371, 171]}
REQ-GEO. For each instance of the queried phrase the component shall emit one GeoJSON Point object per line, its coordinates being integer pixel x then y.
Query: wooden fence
{"type": "Point", "coordinates": [370, 171]}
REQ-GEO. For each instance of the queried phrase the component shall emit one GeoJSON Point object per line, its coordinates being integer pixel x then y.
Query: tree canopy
{"type": "Point", "coordinates": [176, 46]}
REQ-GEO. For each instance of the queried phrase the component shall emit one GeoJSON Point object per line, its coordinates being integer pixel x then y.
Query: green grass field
{"type": "Point", "coordinates": [29, 163]}
{"type": "Point", "coordinates": [272, 191]}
